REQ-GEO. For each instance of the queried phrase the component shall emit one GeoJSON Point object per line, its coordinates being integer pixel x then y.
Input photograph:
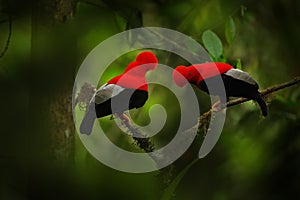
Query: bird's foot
{"type": "Point", "coordinates": [124, 118]}
{"type": "Point", "coordinates": [216, 106]}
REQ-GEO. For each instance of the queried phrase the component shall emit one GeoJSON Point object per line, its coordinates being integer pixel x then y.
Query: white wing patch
{"type": "Point", "coordinates": [106, 92]}
{"type": "Point", "coordinates": [241, 75]}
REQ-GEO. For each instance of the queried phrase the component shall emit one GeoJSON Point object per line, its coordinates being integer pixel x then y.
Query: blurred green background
{"type": "Point", "coordinates": [41, 156]}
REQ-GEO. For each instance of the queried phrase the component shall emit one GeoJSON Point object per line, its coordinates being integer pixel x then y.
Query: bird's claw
{"type": "Point", "coordinates": [216, 106]}
{"type": "Point", "coordinates": [124, 119]}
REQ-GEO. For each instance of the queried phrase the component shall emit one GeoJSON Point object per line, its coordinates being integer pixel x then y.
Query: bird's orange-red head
{"type": "Point", "coordinates": [134, 74]}
{"type": "Point", "coordinates": [181, 76]}
{"type": "Point", "coordinates": [147, 58]}
{"type": "Point", "coordinates": [144, 62]}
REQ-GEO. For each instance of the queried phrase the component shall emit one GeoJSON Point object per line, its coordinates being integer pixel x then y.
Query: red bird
{"type": "Point", "coordinates": [123, 92]}
{"type": "Point", "coordinates": [237, 83]}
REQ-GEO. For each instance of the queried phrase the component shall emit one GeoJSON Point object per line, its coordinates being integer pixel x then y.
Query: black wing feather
{"type": "Point", "coordinates": [136, 99]}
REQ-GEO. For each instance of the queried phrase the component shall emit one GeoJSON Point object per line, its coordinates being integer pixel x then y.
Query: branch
{"type": "Point", "coordinates": [143, 142]}
{"type": "Point", "coordinates": [8, 38]}
{"type": "Point", "coordinates": [266, 91]}
{"type": "Point", "coordinates": [146, 144]}
{"type": "Point", "coordinates": [204, 118]}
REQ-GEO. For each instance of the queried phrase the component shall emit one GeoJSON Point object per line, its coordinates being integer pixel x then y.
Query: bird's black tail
{"type": "Point", "coordinates": [87, 123]}
{"type": "Point", "coordinates": [262, 104]}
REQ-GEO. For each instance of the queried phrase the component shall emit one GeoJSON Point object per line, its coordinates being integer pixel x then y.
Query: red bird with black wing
{"type": "Point", "coordinates": [123, 92]}
{"type": "Point", "coordinates": [237, 83]}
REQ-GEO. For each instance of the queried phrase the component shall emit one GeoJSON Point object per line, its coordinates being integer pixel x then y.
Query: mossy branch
{"type": "Point", "coordinates": [145, 143]}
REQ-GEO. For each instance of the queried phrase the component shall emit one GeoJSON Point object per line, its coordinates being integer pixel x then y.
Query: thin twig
{"type": "Point", "coordinates": [205, 117]}
{"type": "Point", "coordinates": [8, 38]}
{"type": "Point", "coordinates": [266, 91]}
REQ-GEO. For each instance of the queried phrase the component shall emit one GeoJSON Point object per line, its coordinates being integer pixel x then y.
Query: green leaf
{"type": "Point", "coordinates": [169, 191]}
{"type": "Point", "coordinates": [230, 30]}
{"type": "Point", "coordinates": [212, 43]}
{"type": "Point", "coordinates": [239, 64]}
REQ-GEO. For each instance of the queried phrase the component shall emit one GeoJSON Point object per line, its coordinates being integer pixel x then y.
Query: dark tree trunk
{"type": "Point", "coordinates": [51, 80]}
